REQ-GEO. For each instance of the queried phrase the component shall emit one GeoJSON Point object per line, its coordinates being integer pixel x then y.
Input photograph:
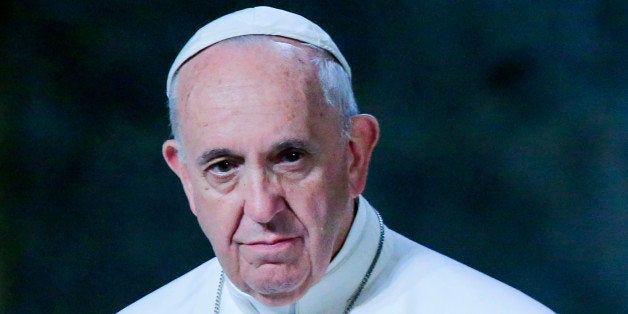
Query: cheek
{"type": "Point", "coordinates": [336, 189]}
{"type": "Point", "coordinates": [335, 180]}
{"type": "Point", "coordinates": [325, 194]}
{"type": "Point", "coordinates": [218, 219]}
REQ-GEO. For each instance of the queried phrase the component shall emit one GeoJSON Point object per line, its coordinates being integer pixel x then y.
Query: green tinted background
{"type": "Point", "coordinates": [504, 142]}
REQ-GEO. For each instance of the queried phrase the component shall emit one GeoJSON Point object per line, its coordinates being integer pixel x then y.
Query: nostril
{"type": "Point", "coordinates": [270, 226]}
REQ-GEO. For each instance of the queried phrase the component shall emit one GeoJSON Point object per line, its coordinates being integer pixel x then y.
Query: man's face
{"type": "Point", "coordinates": [266, 170]}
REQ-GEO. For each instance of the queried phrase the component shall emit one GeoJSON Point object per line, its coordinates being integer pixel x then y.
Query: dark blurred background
{"type": "Point", "coordinates": [504, 142]}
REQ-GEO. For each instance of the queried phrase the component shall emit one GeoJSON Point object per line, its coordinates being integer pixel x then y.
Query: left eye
{"type": "Point", "coordinates": [292, 157]}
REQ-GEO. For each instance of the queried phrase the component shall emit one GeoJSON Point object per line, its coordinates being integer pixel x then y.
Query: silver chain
{"type": "Point", "coordinates": [221, 283]}
{"type": "Point", "coordinates": [366, 277]}
{"type": "Point", "coordinates": [356, 293]}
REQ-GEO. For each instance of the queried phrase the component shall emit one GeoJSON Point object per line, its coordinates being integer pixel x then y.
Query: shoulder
{"type": "Point", "coordinates": [423, 280]}
{"type": "Point", "coordinates": [187, 293]}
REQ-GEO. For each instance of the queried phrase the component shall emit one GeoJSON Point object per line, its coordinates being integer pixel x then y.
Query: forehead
{"type": "Point", "coordinates": [261, 83]}
{"type": "Point", "coordinates": [243, 65]}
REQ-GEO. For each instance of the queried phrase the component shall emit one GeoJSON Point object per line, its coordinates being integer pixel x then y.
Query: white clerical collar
{"type": "Point", "coordinates": [342, 277]}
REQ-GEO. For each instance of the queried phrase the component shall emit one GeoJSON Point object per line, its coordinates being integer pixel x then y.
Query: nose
{"type": "Point", "coordinates": [262, 199]}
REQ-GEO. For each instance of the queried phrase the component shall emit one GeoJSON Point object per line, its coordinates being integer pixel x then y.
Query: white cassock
{"type": "Point", "coordinates": [407, 278]}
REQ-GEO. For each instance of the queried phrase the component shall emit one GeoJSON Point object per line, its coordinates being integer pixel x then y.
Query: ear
{"type": "Point", "coordinates": [364, 136]}
{"type": "Point", "coordinates": [171, 150]}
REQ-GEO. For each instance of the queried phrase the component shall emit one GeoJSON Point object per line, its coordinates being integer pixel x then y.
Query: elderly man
{"type": "Point", "coordinates": [273, 156]}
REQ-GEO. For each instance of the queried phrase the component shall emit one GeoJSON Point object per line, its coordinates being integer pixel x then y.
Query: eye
{"type": "Point", "coordinates": [222, 167]}
{"type": "Point", "coordinates": [292, 162]}
{"type": "Point", "coordinates": [292, 156]}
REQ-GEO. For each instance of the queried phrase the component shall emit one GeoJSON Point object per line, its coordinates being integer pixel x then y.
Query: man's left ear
{"type": "Point", "coordinates": [364, 136]}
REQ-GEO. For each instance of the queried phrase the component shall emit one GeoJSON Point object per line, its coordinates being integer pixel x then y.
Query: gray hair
{"type": "Point", "coordinates": [334, 81]}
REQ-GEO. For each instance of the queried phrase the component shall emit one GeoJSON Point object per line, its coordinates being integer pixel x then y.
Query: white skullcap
{"type": "Point", "coordinates": [256, 21]}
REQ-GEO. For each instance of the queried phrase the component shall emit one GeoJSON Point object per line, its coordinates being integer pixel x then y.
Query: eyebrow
{"type": "Point", "coordinates": [213, 153]}
{"type": "Point", "coordinates": [292, 143]}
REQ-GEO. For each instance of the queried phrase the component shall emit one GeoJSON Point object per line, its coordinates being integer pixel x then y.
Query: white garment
{"type": "Point", "coordinates": [408, 278]}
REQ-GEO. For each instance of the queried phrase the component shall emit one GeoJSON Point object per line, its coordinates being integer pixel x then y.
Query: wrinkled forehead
{"type": "Point", "coordinates": [259, 52]}
{"type": "Point", "coordinates": [282, 46]}
{"type": "Point", "coordinates": [242, 69]}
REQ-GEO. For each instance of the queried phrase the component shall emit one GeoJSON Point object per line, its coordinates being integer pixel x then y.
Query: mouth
{"type": "Point", "coordinates": [270, 242]}
{"type": "Point", "coordinates": [272, 246]}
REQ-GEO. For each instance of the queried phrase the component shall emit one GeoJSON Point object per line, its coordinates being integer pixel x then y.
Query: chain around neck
{"type": "Point", "coordinates": [356, 293]}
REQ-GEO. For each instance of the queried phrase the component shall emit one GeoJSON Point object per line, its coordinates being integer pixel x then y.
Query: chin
{"type": "Point", "coordinates": [278, 291]}
{"type": "Point", "coordinates": [277, 284]}
{"type": "Point", "coordinates": [281, 298]}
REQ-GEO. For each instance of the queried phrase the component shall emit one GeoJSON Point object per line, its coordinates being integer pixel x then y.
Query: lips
{"type": "Point", "coordinates": [273, 250]}
{"type": "Point", "coordinates": [272, 246]}
{"type": "Point", "coordinates": [270, 242]}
